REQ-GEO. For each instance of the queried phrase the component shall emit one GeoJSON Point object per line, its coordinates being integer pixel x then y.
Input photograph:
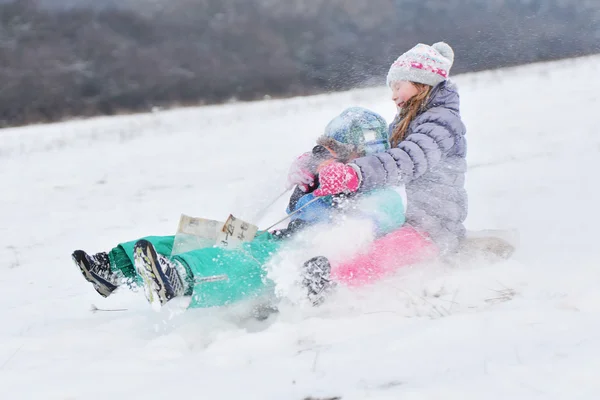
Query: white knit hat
{"type": "Point", "coordinates": [425, 64]}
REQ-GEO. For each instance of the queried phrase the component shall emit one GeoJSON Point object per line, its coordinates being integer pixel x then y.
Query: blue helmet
{"type": "Point", "coordinates": [363, 131]}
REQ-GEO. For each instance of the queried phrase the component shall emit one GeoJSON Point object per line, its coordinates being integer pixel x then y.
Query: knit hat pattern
{"type": "Point", "coordinates": [425, 64]}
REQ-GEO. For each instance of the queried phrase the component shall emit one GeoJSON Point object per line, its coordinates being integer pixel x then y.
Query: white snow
{"type": "Point", "coordinates": [527, 328]}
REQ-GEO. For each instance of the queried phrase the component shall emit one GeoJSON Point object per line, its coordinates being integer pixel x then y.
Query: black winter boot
{"type": "Point", "coordinates": [96, 269]}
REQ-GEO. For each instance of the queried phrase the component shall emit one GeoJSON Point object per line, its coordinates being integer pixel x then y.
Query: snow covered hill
{"type": "Point", "coordinates": [528, 328]}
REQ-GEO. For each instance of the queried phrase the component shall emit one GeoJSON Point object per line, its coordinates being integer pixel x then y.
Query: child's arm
{"type": "Point", "coordinates": [420, 152]}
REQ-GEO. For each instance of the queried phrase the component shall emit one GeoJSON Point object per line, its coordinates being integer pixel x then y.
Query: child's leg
{"type": "Point", "coordinates": [386, 255]}
{"type": "Point", "coordinates": [121, 257]}
{"type": "Point", "coordinates": [107, 271]}
{"type": "Point", "coordinates": [221, 276]}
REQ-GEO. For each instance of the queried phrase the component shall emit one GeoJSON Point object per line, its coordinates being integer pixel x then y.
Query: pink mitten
{"type": "Point", "coordinates": [300, 173]}
{"type": "Point", "coordinates": [337, 178]}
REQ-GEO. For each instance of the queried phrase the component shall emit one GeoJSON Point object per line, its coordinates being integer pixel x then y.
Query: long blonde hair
{"type": "Point", "coordinates": [410, 110]}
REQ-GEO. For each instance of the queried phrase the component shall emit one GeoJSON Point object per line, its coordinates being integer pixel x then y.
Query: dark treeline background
{"type": "Point", "coordinates": [63, 58]}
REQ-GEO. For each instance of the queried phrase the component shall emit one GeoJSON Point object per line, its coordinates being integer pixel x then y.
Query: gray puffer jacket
{"type": "Point", "coordinates": [431, 162]}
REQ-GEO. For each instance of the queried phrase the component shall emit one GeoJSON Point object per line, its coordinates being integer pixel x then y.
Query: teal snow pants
{"type": "Point", "coordinates": [217, 275]}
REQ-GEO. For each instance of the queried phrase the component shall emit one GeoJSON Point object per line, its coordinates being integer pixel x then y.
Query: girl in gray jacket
{"type": "Point", "coordinates": [428, 148]}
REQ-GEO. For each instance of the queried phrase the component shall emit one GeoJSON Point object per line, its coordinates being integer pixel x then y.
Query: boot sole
{"type": "Point", "coordinates": [146, 265]}
{"type": "Point", "coordinates": [317, 279]}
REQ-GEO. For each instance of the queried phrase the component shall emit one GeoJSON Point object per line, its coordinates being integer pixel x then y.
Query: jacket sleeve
{"type": "Point", "coordinates": [421, 151]}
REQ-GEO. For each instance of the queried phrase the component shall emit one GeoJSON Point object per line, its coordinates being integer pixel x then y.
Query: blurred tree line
{"type": "Point", "coordinates": [57, 62]}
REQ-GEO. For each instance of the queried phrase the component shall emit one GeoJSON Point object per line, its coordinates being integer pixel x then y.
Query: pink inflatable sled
{"type": "Point", "coordinates": [393, 251]}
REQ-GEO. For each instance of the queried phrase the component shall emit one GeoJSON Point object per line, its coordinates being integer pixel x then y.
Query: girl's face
{"type": "Point", "coordinates": [402, 91]}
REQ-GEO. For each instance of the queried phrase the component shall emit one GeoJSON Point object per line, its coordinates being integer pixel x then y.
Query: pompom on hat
{"type": "Point", "coordinates": [425, 64]}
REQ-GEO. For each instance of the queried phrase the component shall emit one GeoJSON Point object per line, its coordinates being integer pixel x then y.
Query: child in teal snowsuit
{"type": "Point", "coordinates": [216, 276]}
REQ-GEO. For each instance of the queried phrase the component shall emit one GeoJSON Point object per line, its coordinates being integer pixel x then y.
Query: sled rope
{"type": "Point", "coordinates": [288, 216]}
{"type": "Point", "coordinates": [262, 212]}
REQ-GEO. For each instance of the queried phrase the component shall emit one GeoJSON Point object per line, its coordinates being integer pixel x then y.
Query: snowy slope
{"type": "Point", "coordinates": [525, 328]}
